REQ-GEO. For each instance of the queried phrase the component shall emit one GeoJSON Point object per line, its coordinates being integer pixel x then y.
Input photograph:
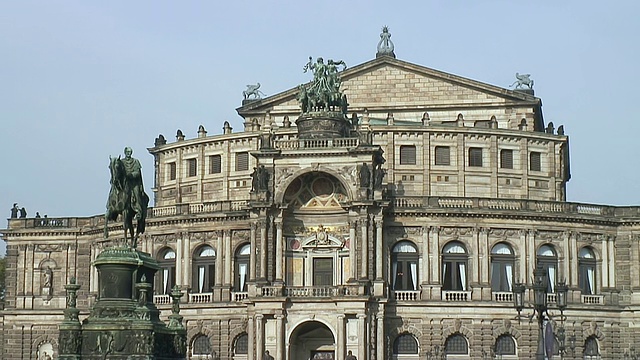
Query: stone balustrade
{"type": "Point", "coordinates": [406, 295]}
{"type": "Point", "coordinates": [503, 296]}
{"type": "Point", "coordinates": [456, 296]}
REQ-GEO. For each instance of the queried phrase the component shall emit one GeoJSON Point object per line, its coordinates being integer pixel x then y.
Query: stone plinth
{"type": "Point", "coordinates": [124, 323]}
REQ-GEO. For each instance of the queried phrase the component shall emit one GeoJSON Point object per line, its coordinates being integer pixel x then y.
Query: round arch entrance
{"type": "Point", "coordinates": [312, 340]}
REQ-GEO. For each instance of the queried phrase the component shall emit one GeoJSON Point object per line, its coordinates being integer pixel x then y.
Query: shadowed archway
{"type": "Point", "coordinates": [312, 340]}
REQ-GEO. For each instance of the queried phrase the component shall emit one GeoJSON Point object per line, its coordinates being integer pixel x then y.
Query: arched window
{"type": "Point", "coordinates": [456, 344]}
{"type": "Point", "coordinates": [587, 271]}
{"type": "Point", "coordinates": [241, 345]}
{"type": "Point", "coordinates": [204, 264]}
{"type": "Point", "coordinates": [548, 260]}
{"type": "Point", "coordinates": [454, 266]}
{"type": "Point", "coordinates": [505, 345]}
{"type": "Point", "coordinates": [404, 260]}
{"type": "Point", "coordinates": [201, 347]}
{"type": "Point", "coordinates": [502, 261]}
{"type": "Point", "coordinates": [242, 268]}
{"type": "Point", "coordinates": [405, 344]}
{"type": "Point", "coordinates": [167, 274]}
{"type": "Point", "coordinates": [591, 349]}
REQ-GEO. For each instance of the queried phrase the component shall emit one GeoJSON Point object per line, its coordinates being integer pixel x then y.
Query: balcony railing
{"type": "Point", "coordinates": [406, 295]}
{"type": "Point", "coordinates": [503, 296]}
{"type": "Point", "coordinates": [293, 144]}
{"type": "Point", "coordinates": [398, 203]}
{"type": "Point", "coordinates": [449, 295]}
{"type": "Point", "coordinates": [592, 299]}
{"type": "Point", "coordinates": [200, 298]}
{"type": "Point", "coordinates": [552, 298]}
{"type": "Point", "coordinates": [311, 291]}
{"type": "Point", "coordinates": [437, 202]}
{"type": "Point", "coordinates": [239, 296]}
{"type": "Point", "coordinates": [162, 299]}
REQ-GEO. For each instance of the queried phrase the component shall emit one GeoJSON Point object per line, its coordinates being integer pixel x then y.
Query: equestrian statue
{"type": "Point", "coordinates": [127, 197]}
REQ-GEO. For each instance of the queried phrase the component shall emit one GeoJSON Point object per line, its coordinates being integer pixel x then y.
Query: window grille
{"type": "Point", "coordinates": [456, 344]}
{"type": "Point", "coordinates": [201, 345]}
{"type": "Point", "coordinates": [505, 345]}
{"type": "Point", "coordinates": [407, 155]}
{"type": "Point", "coordinates": [172, 171]}
{"type": "Point", "coordinates": [506, 159]}
{"type": "Point", "coordinates": [443, 155]}
{"type": "Point", "coordinates": [475, 157]}
{"type": "Point", "coordinates": [242, 161]}
{"type": "Point", "coordinates": [242, 345]}
{"type": "Point", "coordinates": [192, 167]}
{"type": "Point", "coordinates": [405, 344]}
{"type": "Point", "coordinates": [534, 161]}
{"type": "Point", "coordinates": [215, 164]}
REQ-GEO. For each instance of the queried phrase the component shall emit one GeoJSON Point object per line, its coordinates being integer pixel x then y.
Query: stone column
{"type": "Point", "coordinates": [259, 337]}
{"type": "Point", "coordinates": [353, 273]}
{"type": "Point", "coordinates": [179, 262]}
{"type": "Point", "coordinates": [252, 256]}
{"type": "Point", "coordinates": [279, 252]}
{"type": "Point", "coordinates": [379, 248]}
{"type": "Point", "coordinates": [251, 334]}
{"type": "Point", "coordinates": [425, 277]}
{"type": "Point", "coordinates": [362, 337]}
{"type": "Point", "coordinates": [219, 252]}
{"type": "Point", "coordinates": [522, 259]}
{"type": "Point", "coordinates": [219, 269]}
{"type": "Point", "coordinates": [380, 354]}
{"type": "Point", "coordinates": [340, 337]}
{"type": "Point", "coordinates": [612, 261]}
{"type": "Point", "coordinates": [434, 255]}
{"type": "Point", "coordinates": [279, 337]}
{"type": "Point", "coordinates": [364, 251]}
{"type": "Point", "coordinates": [263, 250]}
{"type": "Point", "coordinates": [186, 264]}
{"type": "Point", "coordinates": [227, 257]}
{"type": "Point", "coordinates": [605, 263]}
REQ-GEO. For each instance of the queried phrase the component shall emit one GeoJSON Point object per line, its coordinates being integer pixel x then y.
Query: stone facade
{"type": "Point", "coordinates": [320, 261]}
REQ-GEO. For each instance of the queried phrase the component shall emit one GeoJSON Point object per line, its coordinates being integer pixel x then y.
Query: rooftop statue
{"type": "Point", "coordinates": [127, 196]}
{"type": "Point", "coordinates": [323, 94]}
{"type": "Point", "coordinates": [385, 45]}
{"type": "Point", "coordinates": [253, 90]}
{"type": "Point", "coordinates": [523, 80]}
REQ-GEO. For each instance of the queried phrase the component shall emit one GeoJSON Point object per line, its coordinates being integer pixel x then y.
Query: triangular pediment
{"type": "Point", "coordinates": [389, 83]}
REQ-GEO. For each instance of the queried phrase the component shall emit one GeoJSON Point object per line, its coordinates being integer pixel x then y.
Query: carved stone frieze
{"type": "Point", "coordinates": [164, 239]}
{"type": "Point", "coordinates": [242, 235]}
{"type": "Point", "coordinates": [504, 233]}
{"type": "Point", "coordinates": [51, 247]}
{"type": "Point", "coordinates": [549, 235]}
{"type": "Point", "coordinates": [203, 236]}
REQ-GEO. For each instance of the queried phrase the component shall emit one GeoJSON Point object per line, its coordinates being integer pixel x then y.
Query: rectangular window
{"type": "Point", "coordinates": [475, 157]}
{"type": "Point", "coordinates": [323, 271]}
{"type": "Point", "coordinates": [172, 171]}
{"type": "Point", "coordinates": [215, 164]}
{"type": "Point", "coordinates": [534, 161]}
{"type": "Point", "coordinates": [506, 159]}
{"type": "Point", "coordinates": [242, 161]}
{"type": "Point", "coordinates": [443, 155]}
{"type": "Point", "coordinates": [192, 167]}
{"type": "Point", "coordinates": [407, 155]}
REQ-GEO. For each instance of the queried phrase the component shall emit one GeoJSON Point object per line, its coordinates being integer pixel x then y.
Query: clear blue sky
{"type": "Point", "coordinates": [80, 80]}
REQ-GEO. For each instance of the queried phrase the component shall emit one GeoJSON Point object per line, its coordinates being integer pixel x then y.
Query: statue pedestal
{"type": "Point", "coordinates": [124, 323]}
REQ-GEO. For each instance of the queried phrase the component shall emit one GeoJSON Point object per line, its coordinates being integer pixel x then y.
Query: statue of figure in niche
{"type": "Point", "coordinates": [365, 176]}
{"type": "Point", "coordinates": [47, 279]}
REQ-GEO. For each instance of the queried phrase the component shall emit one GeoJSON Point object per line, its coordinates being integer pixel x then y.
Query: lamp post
{"type": "Point", "coordinates": [540, 306]}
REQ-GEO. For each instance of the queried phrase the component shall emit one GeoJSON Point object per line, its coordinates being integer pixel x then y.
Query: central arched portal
{"type": "Point", "coordinates": [312, 340]}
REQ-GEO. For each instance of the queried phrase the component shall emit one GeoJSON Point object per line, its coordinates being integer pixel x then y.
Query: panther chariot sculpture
{"type": "Point", "coordinates": [524, 80]}
{"type": "Point", "coordinates": [323, 93]}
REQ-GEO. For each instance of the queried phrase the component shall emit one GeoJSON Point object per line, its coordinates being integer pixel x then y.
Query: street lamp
{"type": "Point", "coordinates": [540, 306]}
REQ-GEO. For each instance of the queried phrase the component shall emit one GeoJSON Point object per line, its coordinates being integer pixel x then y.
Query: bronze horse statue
{"type": "Point", "coordinates": [120, 203]}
